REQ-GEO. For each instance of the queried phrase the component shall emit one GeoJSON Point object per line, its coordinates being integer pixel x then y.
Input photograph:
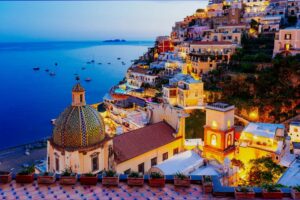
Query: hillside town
{"type": "Point", "coordinates": [219, 98]}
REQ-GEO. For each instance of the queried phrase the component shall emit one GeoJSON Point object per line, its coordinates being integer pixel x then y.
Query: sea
{"type": "Point", "coordinates": [29, 99]}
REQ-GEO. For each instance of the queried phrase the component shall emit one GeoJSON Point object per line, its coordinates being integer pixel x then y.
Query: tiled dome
{"type": "Point", "coordinates": [78, 127]}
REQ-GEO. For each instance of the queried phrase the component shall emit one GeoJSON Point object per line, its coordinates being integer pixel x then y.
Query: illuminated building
{"type": "Point", "coordinates": [164, 44]}
{"type": "Point", "coordinates": [184, 91]}
{"type": "Point", "coordinates": [261, 139]}
{"type": "Point", "coordinates": [219, 131]}
{"type": "Point", "coordinates": [79, 141]}
{"type": "Point", "coordinates": [137, 76]}
{"type": "Point", "coordinates": [294, 131]}
{"type": "Point", "coordinates": [287, 41]}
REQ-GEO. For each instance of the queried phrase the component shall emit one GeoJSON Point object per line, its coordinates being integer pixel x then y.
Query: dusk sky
{"type": "Point", "coordinates": [96, 20]}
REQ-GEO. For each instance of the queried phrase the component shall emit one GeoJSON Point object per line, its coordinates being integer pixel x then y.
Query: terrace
{"type": "Point", "coordinates": [34, 190]}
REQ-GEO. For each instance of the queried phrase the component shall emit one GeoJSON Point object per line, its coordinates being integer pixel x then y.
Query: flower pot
{"type": "Point", "coordinates": [186, 182]}
{"type": "Point", "coordinates": [68, 180]}
{"type": "Point", "coordinates": [295, 194]}
{"type": "Point", "coordinates": [88, 180]}
{"type": "Point", "coordinates": [157, 182]}
{"type": "Point", "coordinates": [5, 177]}
{"type": "Point", "coordinates": [131, 181]}
{"type": "Point", "coordinates": [207, 187]}
{"type": "Point", "coordinates": [25, 178]}
{"type": "Point", "coordinates": [272, 195]}
{"type": "Point", "coordinates": [244, 195]}
{"type": "Point", "coordinates": [110, 181]}
{"type": "Point", "coordinates": [46, 179]}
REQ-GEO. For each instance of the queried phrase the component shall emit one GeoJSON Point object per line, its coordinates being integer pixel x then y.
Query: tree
{"type": "Point", "coordinates": [263, 171]}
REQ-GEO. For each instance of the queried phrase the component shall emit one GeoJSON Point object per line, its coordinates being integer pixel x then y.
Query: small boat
{"type": "Point", "coordinates": [88, 62]}
{"type": "Point", "coordinates": [46, 70]}
{"type": "Point", "coordinates": [56, 64]}
{"type": "Point", "coordinates": [88, 79]}
{"type": "Point", "coordinates": [92, 61]}
{"type": "Point", "coordinates": [36, 68]}
{"type": "Point", "coordinates": [52, 121]}
{"type": "Point", "coordinates": [75, 74]}
{"type": "Point", "coordinates": [119, 58]}
{"type": "Point", "coordinates": [52, 74]}
{"type": "Point", "coordinates": [99, 63]}
{"type": "Point", "coordinates": [83, 68]}
{"type": "Point", "coordinates": [109, 63]}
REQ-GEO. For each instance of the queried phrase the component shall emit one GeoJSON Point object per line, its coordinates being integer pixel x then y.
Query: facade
{"type": "Point", "coordinates": [186, 92]}
{"type": "Point", "coordinates": [262, 139]}
{"type": "Point", "coordinates": [287, 41]}
{"type": "Point", "coordinates": [254, 9]}
{"type": "Point", "coordinates": [137, 76]}
{"type": "Point", "coordinates": [294, 131]}
{"type": "Point", "coordinates": [219, 131]}
{"type": "Point", "coordinates": [164, 44]}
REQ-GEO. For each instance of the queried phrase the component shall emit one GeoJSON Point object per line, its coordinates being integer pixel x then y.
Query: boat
{"type": "Point", "coordinates": [52, 121]}
{"type": "Point", "coordinates": [52, 74]}
{"type": "Point", "coordinates": [46, 70]}
{"type": "Point", "coordinates": [109, 63]}
{"type": "Point", "coordinates": [92, 61]}
{"type": "Point", "coordinates": [88, 79]}
{"type": "Point", "coordinates": [36, 68]}
{"type": "Point", "coordinates": [99, 63]}
{"type": "Point", "coordinates": [56, 64]}
{"type": "Point", "coordinates": [119, 58]}
{"type": "Point", "coordinates": [88, 62]}
{"type": "Point", "coordinates": [83, 68]}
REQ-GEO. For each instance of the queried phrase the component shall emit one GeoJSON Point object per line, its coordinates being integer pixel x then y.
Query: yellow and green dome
{"type": "Point", "coordinates": [77, 127]}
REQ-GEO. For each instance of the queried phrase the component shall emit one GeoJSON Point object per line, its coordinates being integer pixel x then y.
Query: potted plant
{"type": "Point", "coordinates": [26, 175]}
{"type": "Point", "coordinates": [207, 184]}
{"type": "Point", "coordinates": [68, 177]}
{"type": "Point", "coordinates": [156, 180]}
{"type": "Point", "coordinates": [46, 178]}
{"type": "Point", "coordinates": [88, 179]}
{"type": "Point", "coordinates": [5, 177]}
{"type": "Point", "coordinates": [295, 192]}
{"type": "Point", "coordinates": [182, 180]}
{"type": "Point", "coordinates": [243, 192]}
{"type": "Point", "coordinates": [271, 191]}
{"type": "Point", "coordinates": [135, 179]}
{"type": "Point", "coordinates": [110, 178]}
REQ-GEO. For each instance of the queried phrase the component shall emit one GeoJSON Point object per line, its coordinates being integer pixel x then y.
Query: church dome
{"type": "Point", "coordinates": [79, 125]}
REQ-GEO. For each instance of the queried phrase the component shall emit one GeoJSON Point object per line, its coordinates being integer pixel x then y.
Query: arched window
{"type": "Point", "coordinates": [213, 140]}
{"type": "Point", "coordinates": [95, 162]}
{"type": "Point", "coordinates": [81, 98]}
{"type": "Point", "coordinates": [229, 140]}
{"type": "Point", "coordinates": [228, 124]}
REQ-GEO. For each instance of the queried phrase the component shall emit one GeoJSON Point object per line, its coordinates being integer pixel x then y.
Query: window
{"type": "Point", "coordinates": [57, 164]}
{"type": "Point", "coordinates": [288, 36]}
{"type": "Point", "coordinates": [95, 163]}
{"type": "Point", "coordinates": [81, 98]}
{"type": "Point", "coordinates": [214, 124]}
{"type": "Point", "coordinates": [127, 171]}
{"type": "Point", "coordinates": [295, 130]}
{"type": "Point", "coordinates": [153, 161]}
{"type": "Point", "coordinates": [229, 138]}
{"type": "Point", "coordinates": [165, 156]}
{"type": "Point", "coordinates": [213, 140]}
{"type": "Point", "coordinates": [175, 151]}
{"type": "Point", "coordinates": [228, 124]}
{"type": "Point", "coordinates": [141, 168]}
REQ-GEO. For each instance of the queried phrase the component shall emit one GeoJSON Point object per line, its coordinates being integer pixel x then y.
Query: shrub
{"type": "Point", "coordinates": [181, 175]}
{"type": "Point", "coordinates": [155, 175]}
{"type": "Point", "coordinates": [27, 170]}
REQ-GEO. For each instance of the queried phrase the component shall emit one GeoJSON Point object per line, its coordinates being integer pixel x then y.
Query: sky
{"type": "Point", "coordinates": [26, 21]}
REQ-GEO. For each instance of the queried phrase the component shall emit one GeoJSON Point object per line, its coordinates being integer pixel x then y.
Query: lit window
{"type": "Point", "coordinates": [213, 140]}
{"type": "Point", "coordinates": [228, 124]}
{"type": "Point", "coordinates": [295, 130]}
{"type": "Point", "coordinates": [229, 138]}
{"type": "Point", "coordinates": [214, 124]}
{"type": "Point", "coordinates": [95, 163]}
{"type": "Point", "coordinates": [287, 36]}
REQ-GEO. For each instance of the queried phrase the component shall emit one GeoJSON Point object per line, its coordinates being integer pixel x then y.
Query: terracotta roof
{"type": "Point", "coordinates": [137, 142]}
{"type": "Point", "coordinates": [241, 24]}
{"type": "Point", "coordinates": [139, 70]}
{"type": "Point", "coordinates": [212, 42]}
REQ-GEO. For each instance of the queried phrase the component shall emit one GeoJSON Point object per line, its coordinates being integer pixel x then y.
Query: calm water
{"type": "Point", "coordinates": [29, 99]}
